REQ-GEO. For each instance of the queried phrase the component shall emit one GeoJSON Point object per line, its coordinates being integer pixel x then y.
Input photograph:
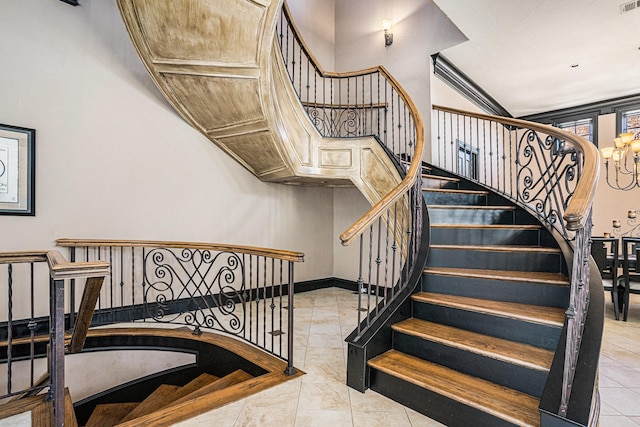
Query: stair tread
{"type": "Point", "coordinates": [197, 383]}
{"type": "Point", "coordinates": [15, 407]}
{"type": "Point", "coordinates": [499, 248]}
{"type": "Point", "coordinates": [235, 377]}
{"type": "Point", "coordinates": [551, 316]}
{"type": "Point", "coordinates": [42, 415]}
{"type": "Point", "coordinates": [110, 414]}
{"type": "Point", "coordinates": [484, 207]}
{"type": "Point", "coordinates": [156, 400]}
{"type": "Point", "coordinates": [502, 402]}
{"type": "Point", "coordinates": [490, 226]}
{"type": "Point", "coordinates": [521, 276]}
{"type": "Point", "coordinates": [455, 191]}
{"type": "Point", "coordinates": [495, 348]}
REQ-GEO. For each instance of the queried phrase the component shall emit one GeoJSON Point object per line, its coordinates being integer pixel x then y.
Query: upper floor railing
{"type": "Point", "coordinates": [243, 291]}
{"type": "Point", "coordinates": [357, 104]}
{"type": "Point", "coordinates": [551, 172]}
{"type": "Point", "coordinates": [33, 322]}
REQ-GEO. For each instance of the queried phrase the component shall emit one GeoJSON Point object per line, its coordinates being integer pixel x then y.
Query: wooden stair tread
{"type": "Point", "coordinates": [504, 350]}
{"type": "Point", "coordinates": [438, 177]}
{"type": "Point", "coordinates": [551, 316]}
{"type": "Point", "coordinates": [19, 406]}
{"type": "Point", "coordinates": [502, 402]}
{"type": "Point", "coordinates": [520, 276]}
{"type": "Point", "coordinates": [42, 415]}
{"type": "Point", "coordinates": [188, 408]}
{"type": "Point", "coordinates": [197, 383]}
{"type": "Point", "coordinates": [475, 207]}
{"type": "Point", "coordinates": [110, 414]}
{"type": "Point", "coordinates": [490, 226]}
{"type": "Point", "coordinates": [235, 377]}
{"type": "Point", "coordinates": [498, 248]}
{"type": "Point", "coordinates": [161, 397]}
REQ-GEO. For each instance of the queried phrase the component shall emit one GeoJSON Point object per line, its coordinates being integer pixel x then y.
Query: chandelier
{"type": "Point", "coordinates": [625, 156]}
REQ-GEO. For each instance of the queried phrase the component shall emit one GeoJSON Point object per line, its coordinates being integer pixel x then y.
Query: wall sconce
{"type": "Point", "coordinates": [385, 24]}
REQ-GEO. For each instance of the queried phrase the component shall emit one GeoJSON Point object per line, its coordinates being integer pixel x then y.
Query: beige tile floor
{"type": "Point", "coordinates": [321, 398]}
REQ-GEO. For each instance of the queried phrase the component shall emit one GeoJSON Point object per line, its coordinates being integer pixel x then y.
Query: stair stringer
{"type": "Point", "coordinates": [218, 64]}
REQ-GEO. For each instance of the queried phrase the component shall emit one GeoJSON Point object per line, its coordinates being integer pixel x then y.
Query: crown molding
{"type": "Point", "coordinates": [459, 81]}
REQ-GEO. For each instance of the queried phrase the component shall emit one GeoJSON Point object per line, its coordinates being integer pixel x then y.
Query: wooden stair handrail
{"type": "Point", "coordinates": [60, 268]}
{"type": "Point", "coordinates": [400, 190]}
{"type": "Point", "coordinates": [249, 250]}
{"type": "Point", "coordinates": [22, 257]}
{"type": "Point", "coordinates": [577, 211]}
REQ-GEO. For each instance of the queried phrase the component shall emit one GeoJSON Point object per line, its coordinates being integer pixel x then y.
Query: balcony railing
{"type": "Point", "coordinates": [246, 292]}
{"type": "Point", "coordinates": [29, 322]}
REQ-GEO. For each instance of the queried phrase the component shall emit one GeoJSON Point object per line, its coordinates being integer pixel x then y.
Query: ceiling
{"type": "Point", "coordinates": [523, 52]}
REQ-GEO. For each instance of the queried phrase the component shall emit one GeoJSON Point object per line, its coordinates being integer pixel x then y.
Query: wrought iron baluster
{"type": "Point", "coordinates": [264, 301]}
{"type": "Point", "coordinates": [143, 285]}
{"type": "Point", "coordinates": [72, 292]}
{"type": "Point", "coordinates": [378, 262]}
{"type": "Point", "coordinates": [280, 308]}
{"type": "Point", "coordinates": [369, 272]}
{"type": "Point", "coordinates": [360, 282]}
{"type": "Point", "coordinates": [32, 324]}
{"type": "Point", "coordinates": [290, 370]}
{"type": "Point", "coordinates": [9, 327]}
{"type": "Point", "coordinates": [250, 297]}
{"type": "Point", "coordinates": [132, 315]}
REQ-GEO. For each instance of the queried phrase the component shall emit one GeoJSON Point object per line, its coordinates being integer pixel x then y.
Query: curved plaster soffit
{"type": "Point", "coordinates": [217, 64]}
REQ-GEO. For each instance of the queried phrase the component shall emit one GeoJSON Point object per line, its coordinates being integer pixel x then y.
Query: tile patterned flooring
{"type": "Point", "coordinates": [320, 398]}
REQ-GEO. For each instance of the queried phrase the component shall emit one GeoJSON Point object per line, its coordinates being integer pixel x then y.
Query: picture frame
{"type": "Point", "coordinates": [17, 170]}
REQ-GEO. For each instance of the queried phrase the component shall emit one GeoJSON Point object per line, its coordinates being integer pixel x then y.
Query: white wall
{"type": "Point", "coordinates": [113, 158]}
{"type": "Point", "coordinates": [419, 30]}
{"type": "Point", "coordinates": [316, 20]}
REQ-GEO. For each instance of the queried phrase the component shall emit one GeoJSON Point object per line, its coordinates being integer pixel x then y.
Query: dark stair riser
{"type": "Point", "coordinates": [478, 216]}
{"type": "Point", "coordinates": [454, 198]}
{"type": "Point", "coordinates": [438, 407]}
{"type": "Point", "coordinates": [439, 183]}
{"type": "Point", "coordinates": [536, 334]}
{"type": "Point", "coordinates": [495, 260]}
{"type": "Point", "coordinates": [498, 290]}
{"type": "Point", "coordinates": [486, 236]}
{"type": "Point", "coordinates": [517, 377]}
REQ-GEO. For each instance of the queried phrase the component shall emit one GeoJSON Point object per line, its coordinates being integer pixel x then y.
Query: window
{"type": "Point", "coordinates": [467, 160]}
{"type": "Point", "coordinates": [581, 127]}
{"type": "Point", "coordinates": [630, 121]}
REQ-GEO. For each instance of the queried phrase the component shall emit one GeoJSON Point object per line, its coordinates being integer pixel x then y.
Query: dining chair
{"type": "Point", "coordinates": [605, 252]}
{"type": "Point", "coordinates": [630, 267]}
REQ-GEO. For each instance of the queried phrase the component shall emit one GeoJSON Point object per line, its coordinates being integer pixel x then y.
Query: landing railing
{"type": "Point", "coordinates": [367, 103]}
{"type": "Point", "coordinates": [243, 291]}
{"type": "Point", "coordinates": [28, 312]}
{"type": "Point", "coordinates": [551, 172]}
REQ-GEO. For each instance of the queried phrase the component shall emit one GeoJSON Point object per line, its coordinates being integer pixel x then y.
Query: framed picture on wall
{"type": "Point", "coordinates": [17, 170]}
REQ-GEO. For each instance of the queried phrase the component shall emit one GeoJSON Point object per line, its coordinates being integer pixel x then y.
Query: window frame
{"type": "Point", "coordinates": [620, 112]}
{"type": "Point", "coordinates": [592, 116]}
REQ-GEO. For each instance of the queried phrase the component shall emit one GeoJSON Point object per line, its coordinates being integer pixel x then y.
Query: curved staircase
{"type": "Point", "coordinates": [220, 66]}
{"type": "Point", "coordinates": [487, 320]}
